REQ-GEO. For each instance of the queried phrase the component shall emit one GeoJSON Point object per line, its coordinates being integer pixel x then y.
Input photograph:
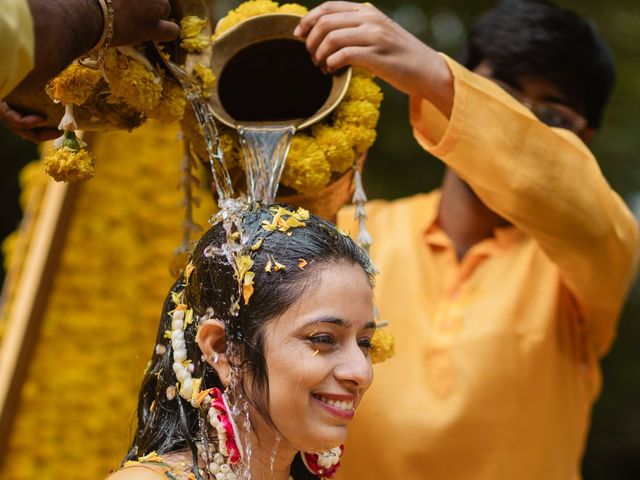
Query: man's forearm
{"type": "Point", "coordinates": [63, 31]}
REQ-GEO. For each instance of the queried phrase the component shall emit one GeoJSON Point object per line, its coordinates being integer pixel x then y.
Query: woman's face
{"type": "Point", "coordinates": [317, 355]}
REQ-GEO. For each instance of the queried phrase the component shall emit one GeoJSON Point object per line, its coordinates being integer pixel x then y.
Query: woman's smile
{"type": "Point", "coordinates": [341, 406]}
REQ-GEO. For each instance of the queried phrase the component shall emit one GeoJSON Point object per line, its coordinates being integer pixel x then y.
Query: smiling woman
{"type": "Point", "coordinates": [263, 351]}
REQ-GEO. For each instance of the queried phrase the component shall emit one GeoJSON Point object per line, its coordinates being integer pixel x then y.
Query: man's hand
{"type": "Point", "coordinates": [345, 33]}
{"type": "Point", "coordinates": [29, 127]}
{"type": "Point", "coordinates": [137, 21]}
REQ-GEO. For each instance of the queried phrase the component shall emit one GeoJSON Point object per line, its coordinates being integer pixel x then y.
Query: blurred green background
{"type": "Point", "coordinates": [397, 167]}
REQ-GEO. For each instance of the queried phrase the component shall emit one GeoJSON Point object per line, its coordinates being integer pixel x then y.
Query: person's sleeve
{"type": "Point", "coordinates": [544, 181]}
{"type": "Point", "coordinates": [17, 40]}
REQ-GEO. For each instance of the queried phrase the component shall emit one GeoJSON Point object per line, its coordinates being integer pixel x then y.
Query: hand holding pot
{"type": "Point", "coordinates": [345, 33]}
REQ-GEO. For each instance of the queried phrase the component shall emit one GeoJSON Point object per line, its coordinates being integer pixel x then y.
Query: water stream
{"type": "Point", "coordinates": [206, 120]}
{"type": "Point", "coordinates": [265, 150]}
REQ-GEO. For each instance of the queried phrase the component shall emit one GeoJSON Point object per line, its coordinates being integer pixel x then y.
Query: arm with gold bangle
{"type": "Point", "coordinates": [67, 29]}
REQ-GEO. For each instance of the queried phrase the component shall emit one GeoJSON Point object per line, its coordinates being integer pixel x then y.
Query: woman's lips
{"type": "Point", "coordinates": [343, 408]}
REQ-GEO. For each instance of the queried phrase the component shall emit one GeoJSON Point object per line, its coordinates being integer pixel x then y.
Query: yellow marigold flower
{"type": "Point", "coordinates": [205, 77]}
{"type": "Point", "coordinates": [361, 137]}
{"type": "Point", "coordinates": [190, 26]}
{"type": "Point", "coordinates": [195, 44]}
{"type": "Point", "coordinates": [74, 84]}
{"type": "Point", "coordinates": [383, 345]}
{"type": "Point", "coordinates": [307, 169]}
{"type": "Point", "coordinates": [171, 106]}
{"type": "Point", "coordinates": [360, 112]}
{"type": "Point", "coordinates": [131, 82]}
{"type": "Point", "coordinates": [68, 165]}
{"type": "Point", "coordinates": [293, 8]}
{"type": "Point", "coordinates": [336, 147]}
{"type": "Point", "coordinates": [244, 11]}
{"type": "Point", "coordinates": [362, 88]}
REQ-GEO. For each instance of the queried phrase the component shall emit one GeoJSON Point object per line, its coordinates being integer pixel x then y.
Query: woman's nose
{"type": "Point", "coordinates": [355, 368]}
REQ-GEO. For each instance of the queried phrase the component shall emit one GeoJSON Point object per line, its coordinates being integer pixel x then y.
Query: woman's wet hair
{"type": "Point", "coordinates": [169, 423]}
{"type": "Point", "coordinates": [536, 38]}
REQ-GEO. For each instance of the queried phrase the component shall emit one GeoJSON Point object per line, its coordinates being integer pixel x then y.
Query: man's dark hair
{"type": "Point", "coordinates": [535, 37]}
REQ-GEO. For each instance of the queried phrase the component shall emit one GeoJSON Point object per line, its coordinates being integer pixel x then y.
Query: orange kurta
{"type": "Point", "coordinates": [497, 354]}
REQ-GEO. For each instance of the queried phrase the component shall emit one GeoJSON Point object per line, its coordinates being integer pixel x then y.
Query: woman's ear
{"type": "Point", "coordinates": [212, 340]}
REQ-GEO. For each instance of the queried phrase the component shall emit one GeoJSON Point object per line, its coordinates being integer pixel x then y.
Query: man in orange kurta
{"type": "Point", "coordinates": [503, 288]}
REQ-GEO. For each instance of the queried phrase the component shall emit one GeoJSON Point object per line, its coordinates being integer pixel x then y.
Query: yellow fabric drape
{"type": "Point", "coordinates": [18, 44]}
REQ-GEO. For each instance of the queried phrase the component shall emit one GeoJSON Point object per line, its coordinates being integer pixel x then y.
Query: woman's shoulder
{"type": "Point", "coordinates": [140, 471]}
{"type": "Point", "coordinates": [152, 467]}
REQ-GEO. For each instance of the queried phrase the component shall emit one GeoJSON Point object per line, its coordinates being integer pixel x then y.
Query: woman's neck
{"type": "Point", "coordinates": [271, 458]}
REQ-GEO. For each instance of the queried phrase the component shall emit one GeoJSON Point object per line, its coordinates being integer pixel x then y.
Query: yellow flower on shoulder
{"type": "Point", "coordinates": [383, 345]}
{"type": "Point", "coordinates": [75, 84]}
{"type": "Point", "coordinates": [71, 162]}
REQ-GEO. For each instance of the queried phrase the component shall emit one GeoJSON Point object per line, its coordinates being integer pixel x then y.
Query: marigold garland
{"type": "Point", "coordinates": [128, 81]}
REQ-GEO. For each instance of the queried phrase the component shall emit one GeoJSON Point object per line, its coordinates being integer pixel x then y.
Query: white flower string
{"type": "Point", "coordinates": [181, 317]}
{"type": "Point", "coordinates": [359, 199]}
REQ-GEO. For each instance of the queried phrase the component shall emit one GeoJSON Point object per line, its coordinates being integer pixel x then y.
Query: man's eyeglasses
{"type": "Point", "coordinates": [549, 113]}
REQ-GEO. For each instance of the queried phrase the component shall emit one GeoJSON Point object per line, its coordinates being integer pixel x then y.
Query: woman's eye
{"type": "Point", "coordinates": [321, 338]}
{"type": "Point", "coordinates": [365, 343]}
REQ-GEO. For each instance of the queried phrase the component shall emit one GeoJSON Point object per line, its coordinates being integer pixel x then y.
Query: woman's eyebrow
{"type": "Point", "coordinates": [339, 322]}
{"type": "Point", "coordinates": [327, 319]}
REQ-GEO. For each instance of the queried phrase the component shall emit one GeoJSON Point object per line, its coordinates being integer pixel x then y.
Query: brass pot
{"type": "Point", "coordinates": [265, 76]}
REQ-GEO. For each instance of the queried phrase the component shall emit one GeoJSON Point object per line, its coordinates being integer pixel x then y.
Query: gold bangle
{"type": "Point", "coordinates": [107, 32]}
